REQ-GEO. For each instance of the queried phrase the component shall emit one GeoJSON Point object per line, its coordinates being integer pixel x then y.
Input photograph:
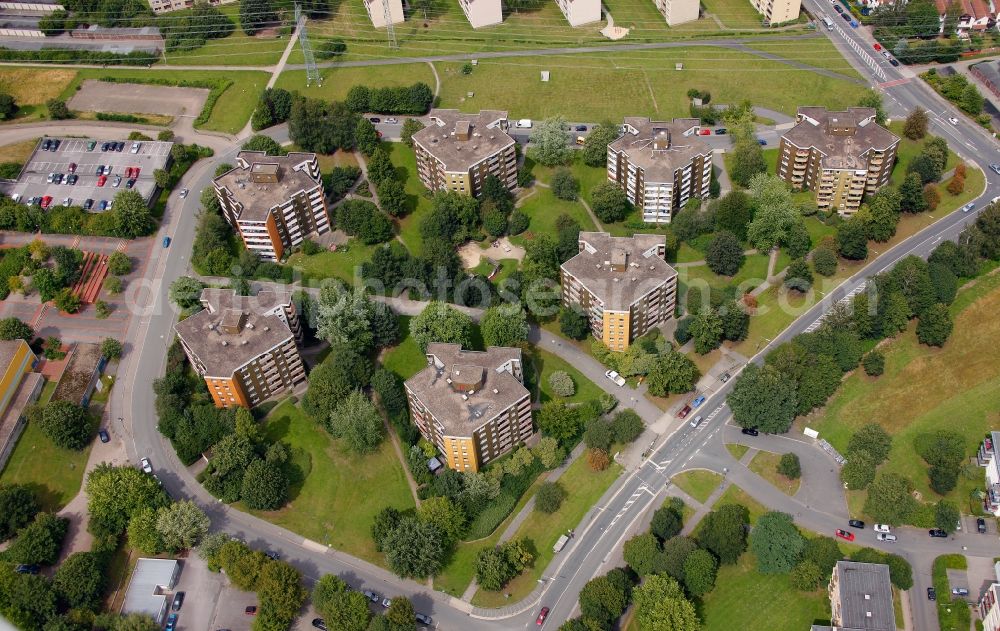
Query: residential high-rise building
{"type": "Point", "coordinates": [274, 202]}
{"type": "Point", "coordinates": [482, 13]}
{"type": "Point", "coordinates": [841, 156]}
{"type": "Point", "coordinates": [456, 151]}
{"type": "Point", "coordinates": [678, 11]}
{"type": "Point", "coordinates": [860, 598]}
{"type": "Point", "coordinates": [471, 404]}
{"type": "Point", "coordinates": [989, 608]}
{"type": "Point", "coordinates": [660, 165]}
{"type": "Point", "coordinates": [989, 457]}
{"type": "Point", "coordinates": [777, 11]}
{"type": "Point", "coordinates": [244, 346]}
{"type": "Point", "coordinates": [580, 12]}
{"type": "Point", "coordinates": [376, 11]}
{"type": "Point", "coordinates": [622, 284]}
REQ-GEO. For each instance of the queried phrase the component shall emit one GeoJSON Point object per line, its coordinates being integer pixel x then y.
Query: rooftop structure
{"type": "Point", "coordinates": [150, 581]}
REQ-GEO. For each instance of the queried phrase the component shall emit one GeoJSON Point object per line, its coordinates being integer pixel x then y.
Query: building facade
{"type": "Point", "coordinates": [777, 11]}
{"type": "Point", "coordinates": [580, 12]}
{"type": "Point", "coordinates": [274, 202]}
{"type": "Point", "coordinates": [166, 6]}
{"type": "Point", "coordinates": [482, 13]}
{"type": "Point", "coordinates": [967, 15]}
{"type": "Point", "coordinates": [377, 10]}
{"type": "Point", "coordinates": [989, 609]}
{"type": "Point", "coordinates": [678, 11]}
{"type": "Point", "coordinates": [860, 598]}
{"type": "Point", "coordinates": [840, 156]}
{"type": "Point", "coordinates": [660, 165]}
{"type": "Point", "coordinates": [471, 404]}
{"type": "Point", "coordinates": [244, 347]}
{"type": "Point", "coordinates": [622, 284]}
{"type": "Point", "coordinates": [19, 387]}
{"type": "Point", "coordinates": [989, 449]}
{"type": "Point", "coordinates": [457, 151]}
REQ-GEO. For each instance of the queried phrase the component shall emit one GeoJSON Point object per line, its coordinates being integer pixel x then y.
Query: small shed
{"type": "Point", "coordinates": [434, 465]}
{"type": "Point", "coordinates": [545, 76]}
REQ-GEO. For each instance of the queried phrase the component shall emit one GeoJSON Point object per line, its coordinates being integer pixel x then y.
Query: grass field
{"type": "Point", "coordinates": [697, 483]}
{"type": "Point", "coordinates": [585, 487]}
{"type": "Point", "coordinates": [344, 264]}
{"type": "Point", "coordinates": [55, 475]}
{"type": "Point", "coordinates": [642, 85]}
{"type": "Point", "coordinates": [736, 601]}
{"type": "Point", "coordinates": [335, 505]}
{"type": "Point", "coordinates": [734, 13]}
{"type": "Point", "coordinates": [18, 152]}
{"type": "Point", "coordinates": [752, 274]}
{"type": "Point", "coordinates": [238, 49]}
{"type": "Point", "coordinates": [231, 111]}
{"type": "Point", "coordinates": [765, 464]}
{"type": "Point", "coordinates": [418, 206]}
{"type": "Point", "coordinates": [735, 495]}
{"type": "Point", "coordinates": [337, 81]}
{"type": "Point", "coordinates": [543, 208]}
{"type": "Point", "coordinates": [737, 451]}
{"type": "Point", "coordinates": [925, 389]}
{"type": "Point", "coordinates": [550, 363]}
{"type": "Point", "coordinates": [405, 359]}
{"type": "Point", "coordinates": [819, 53]}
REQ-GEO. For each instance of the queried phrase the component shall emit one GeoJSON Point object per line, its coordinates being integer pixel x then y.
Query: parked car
{"type": "Point", "coordinates": [542, 615]}
{"type": "Point", "coordinates": [46, 201]}
{"type": "Point", "coordinates": [959, 591]}
{"type": "Point", "coordinates": [119, 146]}
{"type": "Point", "coordinates": [274, 556]}
{"type": "Point", "coordinates": [854, 23]}
{"type": "Point", "coordinates": [88, 204]}
{"type": "Point", "coordinates": [615, 377]}
{"type": "Point", "coordinates": [722, 131]}
{"type": "Point", "coordinates": [319, 624]}
{"type": "Point", "coordinates": [146, 465]}
{"type": "Point", "coordinates": [931, 593]}
{"type": "Point", "coordinates": [845, 534]}
{"type": "Point", "coordinates": [894, 62]}
{"type": "Point", "coordinates": [684, 412]}
{"type": "Point", "coordinates": [953, 120]}
{"type": "Point", "coordinates": [55, 144]}
{"type": "Point", "coordinates": [372, 596]}
{"type": "Point", "coordinates": [704, 132]}
{"type": "Point", "coordinates": [878, 46]}
{"type": "Point", "coordinates": [391, 120]}
{"type": "Point", "coordinates": [881, 528]}
{"type": "Point", "coordinates": [103, 205]}
{"type": "Point", "coordinates": [856, 523]}
{"type": "Point", "coordinates": [171, 622]}
{"type": "Point", "coordinates": [386, 602]}
{"type": "Point", "coordinates": [250, 610]}
{"type": "Point", "coordinates": [46, 144]}
{"type": "Point", "coordinates": [101, 181]}
{"type": "Point", "coordinates": [27, 568]}
{"type": "Point", "coordinates": [696, 421]}
{"type": "Point", "coordinates": [129, 183]}
{"type": "Point", "coordinates": [166, 242]}
{"type": "Point", "coordinates": [995, 168]}
{"type": "Point", "coordinates": [67, 201]}
{"type": "Point", "coordinates": [968, 207]}
{"type": "Point", "coordinates": [72, 179]}
{"type": "Point", "coordinates": [72, 167]}
{"type": "Point", "coordinates": [423, 619]}
{"type": "Point", "coordinates": [103, 435]}
{"type": "Point", "coordinates": [750, 431]}
{"type": "Point", "coordinates": [937, 532]}
{"type": "Point", "coordinates": [981, 525]}
{"type": "Point", "coordinates": [761, 142]}
{"type": "Point", "coordinates": [725, 377]}
{"type": "Point", "coordinates": [374, 119]}
{"type": "Point", "coordinates": [178, 601]}
{"type": "Point", "coordinates": [838, 8]}
{"type": "Point", "coordinates": [184, 191]}
{"type": "Point", "coordinates": [698, 400]}
{"type": "Point", "coordinates": [885, 536]}
{"type": "Point", "coordinates": [581, 128]}
{"type": "Point", "coordinates": [135, 147]}
{"type": "Point", "coordinates": [91, 145]}
{"type": "Point", "coordinates": [105, 146]}
{"type": "Point", "coordinates": [118, 181]}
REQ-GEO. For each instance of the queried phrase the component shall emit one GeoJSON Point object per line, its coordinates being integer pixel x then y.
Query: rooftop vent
{"type": "Point", "coordinates": [244, 342]}
{"type": "Point", "coordinates": [267, 328]}
{"type": "Point", "coordinates": [225, 343]}
{"type": "Point", "coordinates": [465, 397]}
{"type": "Point", "coordinates": [250, 325]}
{"type": "Point", "coordinates": [448, 380]}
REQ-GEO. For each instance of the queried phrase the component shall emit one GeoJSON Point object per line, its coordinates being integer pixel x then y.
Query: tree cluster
{"type": "Point", "coordinates": [274, 107]}
{"type": "Point", "coordinates": [414, 99]}
{"type": "Point", "coordinates": [497, 566]}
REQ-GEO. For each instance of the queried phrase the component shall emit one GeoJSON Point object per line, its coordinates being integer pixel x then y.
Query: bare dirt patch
{"type": "Point", "coordinates": [32, 86]}
{"type": "Point", "coordinates": [135, 98]}
{"type": "Point", "coordinates": [471, 253]}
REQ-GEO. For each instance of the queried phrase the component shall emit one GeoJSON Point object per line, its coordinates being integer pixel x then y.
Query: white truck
{"type": "Point", "coordinates": [560, 543]}
{"type": "Point", "coordinates": [524, 123]}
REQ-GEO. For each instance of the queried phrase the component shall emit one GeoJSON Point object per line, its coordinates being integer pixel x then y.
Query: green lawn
{"type": "Point", "coordinates": [910, 149]}
{"type": "Point", "coordinates": [752, 274]}
{"type": "Point", "coordinates": [405, 359]}
{"type": "Point", "coordinates": [735, 495]}
{"type": "Point", "coordinates": [550, 363]}
{"type": "Point", "coordinates": [952, 615]}
{"type": "Point", "coordinates": [418, 206]}
{"type": "Point", "coordinates": [925, 389]}
{"type": "Point", "coordinates": [55, 475]}
{"type": "Point", "coordinates": [645, 84]}
{"type": "Point", "coordinates": [585, 487]}
{"type": "Point", "coordinates": [737, 451]}
{"type": "Point", "coordinates": [344, 264]}
{"type": "Point", "coordinates": [231, 111]}
{"type": "Point", "coordinates": [238, 49]}
{"type": "Point", "coordinates": [734, 13]}
{"type": "Point", "coordinates": [697, 483]}
{"type": "Point", "coordinates": [337, 81]}
{"type": "Point", "coordinates": [819, 53]}
{"type": "Point", "coordinates": [745, 599]}
{"type": "Point", "coordinates": [765, 464]}
{"type": "Point", "coordinates": [342, 492]}
{"type": "Point", "coordinates": [543, 208]}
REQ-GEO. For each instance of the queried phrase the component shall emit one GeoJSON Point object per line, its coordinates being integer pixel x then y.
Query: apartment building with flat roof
{"type": "Point", "coordinates": [166, 6]}
{"type": "Point", "coordinates": [274, 202]}
{"type": "Point", "coordinates": [840, 156]}
{"type": "Point", "coordinates": [678, 11]}
{"type": "Point", "coordinates": [471, 404]}
{"type": "Point", "coordinates": [660, 165]}
{"type": "Point", "coordinates": [777, 11]}
{"type": "Point", "coordinates": [623, 285]}
{"type": "Point", "coordinates": [378, 9]}
{"type": "Point", "coordinates": [456, 151]}
{"type": "Point", "coordinates": [244, 347]}
{"type": "Point", "coordinates": [860, 598]}
{"type": "Point", "coordinates": [580, 12]}
{"type": "Point", "coordinates": [482, 13]}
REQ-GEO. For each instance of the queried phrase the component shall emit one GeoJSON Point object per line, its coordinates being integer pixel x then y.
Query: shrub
{"type": "Point", "coordinates": [874, 363]}
{"type": "Point", "coordinates": [549, 497]}
{"type": "Point", "coordinates": [789, 466]}
{"type": "Point", "coordinates": [562, 384]}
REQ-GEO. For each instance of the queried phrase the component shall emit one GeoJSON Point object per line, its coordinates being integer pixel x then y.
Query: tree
{"type": "Point", "coordinates": [725, 254]}
{"type": "Point", "coordinates": [8, 106]}
{"type": "Point", "coordinates": [764, 399]}
{"type": "Point", "coordinates": [798, 276]}
{"type": "Point", "coordinates": [40, 542]}
{"type": "Point", "coordinates": [410, 127]}
{"type": "Point", "coordinates": [322, 126]}
{"type": "Point", "coordinates": [279, 588]}
{"type": "Point", "coordinates": [944, 451]}
{"type": "Point", "coordinates": [340, 607]}
{"type": "Point", "coordinates": [748, 161]}
{"type": "Point", "coordinates": [852, 240]}
{"type": "Point", "coordinates": [448, 517]}
{"type": "Point", "coordinates": [944, 282]}
{"type": "Point", "coordinates": [598, 459]}
{"type": "Point", "coordinates": [182, 525]}
{"type": "Point", "coordinates": [935, 325]}
{"type": "Point", "coordinates": [775, 213]}
{"type": "Point", "coordinates": [733, 214]}
{"type": "Point", "coordinates": [131, 215]}
{"type": "Point", "coordinates": [340, 374]}
{"type": "Point", "coordinates": [400, 613]}
{"type": "Point", "coordinates": [672, 373]}
{"type": "Point", "coordinates": [439, 322]}
{"type": "Point", "coordinates": [915, 126]}
{"type": "Point", "coordinates": [946, 515]}
{"type": "Point", "coordinates": [366, 137]}
{"type": "Point", "coordinates": [824, 552]}
{"type": "Point", "coordinates": [900, 572]}
{"type": "Point", "coordinates": [626, 426]}
{"type": "Point", "coordinates": [699, 572]}
{"type": "Point", "coordinates": [548, 452]}
{"type": "Point", "coordinates": [559, 421]}
{"type": "Point", "coordinates": [595, 146]}
{"type": "Point", "coordinates": [789, 466]}
{"type": "Point", "coordinates": [889, 500]}
{"type": "Point", "coordinates": [926, 167]}
{"type": "Point", "coordinates": [706, 330]}
{"type": "Point", "coordinates": [806, 576]}
{"type": "Point", "coordinates": [66, 424]}
{"type": "Point", "coordinates": [357, 422]}
{"type": "Point", "coordinates": [414, 549]}
{"type": "Point", "coordinates": [14, 329]}
{"type": "Point", "coordinates": [58, 109]}
{"type": "Point", "coordinates": [142, 533]}
{"type": "Point", "coordinates": [119, 264]}
{"type": "Point", "coordinates": [18, 508]}
{"type": "Point", "coordinates": [873, 99]}
{"type": "Point", "coordinates": [549, 144]}
{"type": "Point", "coordinates": [605, 598]}
{"type": "Point", "coordinates": [859, 471]}
{"type": "Point", "coordinates": [185, 292]}
{"type": "Point", "coordinates": [549, 497]}
{"type": "Point", "coordinates": [25, 599]}
{"type": "Point", "coordinates": [724, 532]}
{"type": "Point", "coordinates": [504, 325]}
{"type": "Point", "coordinates": [776, 542]}
{"type": "Point", "coordinates": [564, 185]}
{"type": "Point", "coordinates": [256, 15]}
{"type": "Point", "coordinates": [81, 579]}
{"type": "Point", "coordinates": [609, 202]}
{"type": "Point", "coordinates": [972, 100]}
{"type": "Point", "coordinates": [66, 301]}
{"type": "Point", "coordinates": [265, 486]}
{"type": "Point", "coordinates": [660, 605]}
{"type": "Point", "coordinates": [562, 384]}
{"type": "Point", "coordinates": [641, 553]}
{"type": "Point", "coordinates": [111, 348]}
{"type": "Point", "coordinates": [572, 323]}
{"type": "Point", "coordinates": [873, 439]}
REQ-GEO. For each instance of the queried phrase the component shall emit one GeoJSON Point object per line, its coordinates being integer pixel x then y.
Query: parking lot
{"type": "Point", "coordinates": [81, 157]}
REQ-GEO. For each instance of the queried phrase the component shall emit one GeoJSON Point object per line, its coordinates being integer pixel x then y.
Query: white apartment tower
{"type": "Point", "coordinates": [377, 9]}
{"type": "Point", "coordinates": [482, 13]}
{"type": "Point", "coordinates": [678, 11]}
{"type": "Point", "coordinates": [580, 12]}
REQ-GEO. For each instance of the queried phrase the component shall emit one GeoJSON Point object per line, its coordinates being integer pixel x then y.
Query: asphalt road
{"type": "Point", "coordinates": [602, 531]}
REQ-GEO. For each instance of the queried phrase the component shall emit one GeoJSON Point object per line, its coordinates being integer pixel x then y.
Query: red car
{"type": "Point", "coordinates": [128, 172]}
{"type": "Point", "coordinates": [101, 180]}
{"type": "Point", "coordinates": [542, 615]}
{"type": "Point", "coordinates": [46, 201]}
{"type": "Point", "coordinates": [878, 46]}
{"type": "Point", "coordinates": [704, 132]}
{"type": "Point", "coordinates": [684, 411]}
{"type": "Point", "coordinates": [844, 534]}
{"type": "Point", "coordinates": [72, 167]}
{"type": "Point", "coordinates": [135, 171]}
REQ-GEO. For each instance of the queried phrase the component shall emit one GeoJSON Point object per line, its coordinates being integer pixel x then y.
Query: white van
{"type": "Point", "coordinates": [524, 123]}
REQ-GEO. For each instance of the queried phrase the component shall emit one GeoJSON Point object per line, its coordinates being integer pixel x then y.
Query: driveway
{"type": "Point", "coordinates": [201, 594]}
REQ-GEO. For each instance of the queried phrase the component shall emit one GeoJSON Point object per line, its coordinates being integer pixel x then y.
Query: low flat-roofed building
{"type": "Point", "coordinates": [623, 285]}
{"type": "Point", "coordinates": [471, 404]}
{"type": "Point", "coordinates": [457, 151]}
{"type": "Point", "coordinates": [80, 375]}
{"type": "Point", "coordinates": [147, 587]}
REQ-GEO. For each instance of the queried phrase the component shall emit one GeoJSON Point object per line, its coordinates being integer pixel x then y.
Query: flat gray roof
{"type": "Point", "coordinates": [642, 268]}
{"type": "Point", "coordinates": [865, 597]}
{"type": "Point", "coordinates": [660, 147]}
{"type": "Point", "coordinates": [257, 198]}
{"type": "Point", "coordinates": [79, 373]}
{"type": "Point", "coordinates": [150, 579]}
{"type": "Point", "coordinates": [844, 138]}
{"type": "Point", "coordinates": [441, 137]}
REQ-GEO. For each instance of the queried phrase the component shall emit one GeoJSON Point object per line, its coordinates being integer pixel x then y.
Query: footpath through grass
{"type": "Point", "coordinates": [697, 483]}
{"type": "Point", "coordinates": [336, 502]}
